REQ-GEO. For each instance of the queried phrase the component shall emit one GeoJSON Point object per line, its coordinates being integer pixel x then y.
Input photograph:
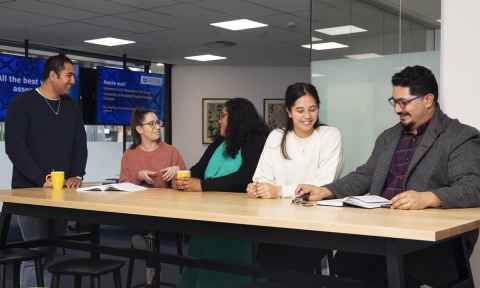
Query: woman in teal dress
{"type": "Point", "coordinates": [227, 165]}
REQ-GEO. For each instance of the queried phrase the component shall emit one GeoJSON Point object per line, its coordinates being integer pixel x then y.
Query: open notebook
{"type": "Point", "coordinates": [365, 201]}
{"type": "Point", "coordinates": [125, 187]}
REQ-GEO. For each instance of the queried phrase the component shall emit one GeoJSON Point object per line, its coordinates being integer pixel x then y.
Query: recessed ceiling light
{"type": "Point", "coordinates": [325, 46]}
{"type": "Point", "coordinates": [341, 30]}
{"type": "Point", "coordinates": [160, 64]}
{"type": "Point", "coordinates": [316, 39]}
{"type": "Point", "coordinates": [206, 57]}
{"type": "Point", "coordinates": [109, 41]}
{"type": "Point", "coordinates": [318, 75]}
{"type": "Point", "coordinates": [240, 24]}
{"type": "Point", "coordinates": [363, 56]}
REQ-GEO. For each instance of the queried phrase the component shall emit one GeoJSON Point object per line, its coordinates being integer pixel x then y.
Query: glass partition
{"type": "Point", "coordinates": [375, 39]}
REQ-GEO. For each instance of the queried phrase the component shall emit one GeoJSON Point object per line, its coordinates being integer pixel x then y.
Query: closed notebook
{"type": "Point", "coordinates": [123, 187]}
{"type": "Point", "coordinates": [365, 201]}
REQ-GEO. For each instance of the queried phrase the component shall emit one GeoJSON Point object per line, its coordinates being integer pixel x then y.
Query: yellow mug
{"type": "Point", "coordinates": [183, 174]}
{"type": "Point", "coordinates": [57, 178]}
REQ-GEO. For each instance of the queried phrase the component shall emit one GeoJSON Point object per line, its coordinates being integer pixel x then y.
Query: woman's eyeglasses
{"type": "Point", "coordinates": [153, 123]}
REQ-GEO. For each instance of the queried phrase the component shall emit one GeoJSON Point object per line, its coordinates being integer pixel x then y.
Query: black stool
{"type": "Point", "coordinates": [16, 256]}
{"type": "Point", "coordinates": [79, 267]}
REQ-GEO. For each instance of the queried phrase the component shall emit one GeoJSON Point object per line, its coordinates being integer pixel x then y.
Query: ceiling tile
{"type": "Point", "coordinates": [189, 13]}
{"type": "Point", "coordinates": [124, 24]}
{"type": "Point", "coordinates": [24, 18]}
{"type": "Point", "coordinates": [47, 9]}
{"type": "Point", "coordinates": [143, 4]}
{"type": "Point", "coordinates": [282, 5]}
{"type": "Point", "coordinates": [288, 22]}
{"type": "Point", "coordinates": [236, 8]}
{"type": "Point", "coordinates": [97, 7]}
{"type": "Point", "coordinates": [73, 33]}
{"type": "Point", "coordinates": [154, 18]}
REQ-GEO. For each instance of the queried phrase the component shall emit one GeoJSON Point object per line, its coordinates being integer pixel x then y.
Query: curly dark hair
{"type": "Point", "coordinates": [243, 122]}
{"type": "Point", "coordinates": [419, 79]}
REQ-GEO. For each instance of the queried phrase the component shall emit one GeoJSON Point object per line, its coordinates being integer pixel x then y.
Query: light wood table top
{"type": "Point", "coordinates": [236, 208]}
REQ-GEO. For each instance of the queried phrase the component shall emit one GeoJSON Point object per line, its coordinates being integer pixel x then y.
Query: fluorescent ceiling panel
{"type": "Point", "coordinates": [240, 24]}
{"type": "Point", "coordinates": [363, 56]}
{"type": "Point", "coordinates": [206, 57]}
{"type": "Point", "coordinates": [341, 30]}
{"type": "Point", "coordinates": [325, 46]}
{"type": "Point", "coordinates": [109, 41]}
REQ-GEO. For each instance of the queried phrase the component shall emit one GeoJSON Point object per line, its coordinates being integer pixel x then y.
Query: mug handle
{"type": "Point", "coordinates": [48, 178]}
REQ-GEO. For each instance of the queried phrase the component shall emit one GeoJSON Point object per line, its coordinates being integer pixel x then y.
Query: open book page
{"type": "Point", "coordinates": [125, 187]}
{"type": "Point", "coordinates": [331, 202]}
{"type": "Point", "coordinates": [368, 201]}
{"type": "Point", "coordinates": [364, 201]}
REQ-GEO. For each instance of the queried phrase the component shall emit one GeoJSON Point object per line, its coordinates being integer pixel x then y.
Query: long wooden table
{"type": "Point", "coordinates": [392, 233]}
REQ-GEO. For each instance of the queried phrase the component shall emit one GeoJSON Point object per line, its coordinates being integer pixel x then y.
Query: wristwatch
{"type": "Point", "coordinates": [79, 178]}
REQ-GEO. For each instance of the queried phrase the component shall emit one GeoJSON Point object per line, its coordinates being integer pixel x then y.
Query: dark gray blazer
{"type": "Point", "coordinates": [446, 162]}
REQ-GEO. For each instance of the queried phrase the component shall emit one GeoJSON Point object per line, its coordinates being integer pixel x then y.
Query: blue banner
{"type": "Point", "coordinates": [121, 91]}
{"type": "Point", "coordinates": [19, 74]}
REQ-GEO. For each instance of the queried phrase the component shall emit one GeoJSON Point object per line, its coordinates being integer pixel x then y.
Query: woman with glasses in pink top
{"type": "Point", "coordinates": [149, 162]}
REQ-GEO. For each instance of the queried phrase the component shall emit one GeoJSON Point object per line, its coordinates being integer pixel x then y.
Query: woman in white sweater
{"type": "Point", "coordinates": [305, 151]}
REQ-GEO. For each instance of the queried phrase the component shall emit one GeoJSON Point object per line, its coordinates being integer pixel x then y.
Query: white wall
{"type": "Point", "coordinates": [5, 168]}
{"type": "Point", "coordinates": [192, 83]}
{"type": "Point", "coordinates": [459, 69]}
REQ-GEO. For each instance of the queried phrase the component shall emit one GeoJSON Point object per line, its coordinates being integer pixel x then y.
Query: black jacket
{"type": "Point", "coordinates": [237, 181]}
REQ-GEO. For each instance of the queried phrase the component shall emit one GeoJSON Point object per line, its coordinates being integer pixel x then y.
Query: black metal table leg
{"type": "Point", "coordinates": [5, 219]}
{"type": "Point", "coordinates": [395, 269]}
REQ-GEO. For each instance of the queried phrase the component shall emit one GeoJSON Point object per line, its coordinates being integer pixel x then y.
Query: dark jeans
{"type": "Point", "coordinates": [434, 266]}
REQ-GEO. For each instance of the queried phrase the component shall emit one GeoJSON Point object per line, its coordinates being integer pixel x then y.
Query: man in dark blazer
{"type": "Point", "coordinates": [426, 160]}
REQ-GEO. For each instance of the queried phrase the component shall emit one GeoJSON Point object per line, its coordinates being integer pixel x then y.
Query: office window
{"type": "Point", "coordinates": [104, 133]}
{"type": "Point", "coordinates": [375, 41]}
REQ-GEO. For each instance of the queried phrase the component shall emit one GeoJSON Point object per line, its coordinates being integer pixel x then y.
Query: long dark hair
{"type": "Point", "coordinates": [138, 116]}
{"type": "Point", "coordinates": [292, 94]}
{"type": "Point", "coordinates": [243, 122]}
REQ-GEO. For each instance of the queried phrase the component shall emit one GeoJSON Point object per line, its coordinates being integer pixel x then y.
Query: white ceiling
{"type": "Point", "coordinates": [168, 30]}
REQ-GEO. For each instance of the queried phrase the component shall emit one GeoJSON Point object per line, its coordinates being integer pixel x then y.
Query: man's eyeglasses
{"type": "Point", "coordinates": [153, 123]}
{"type": "Point", "coordinates": [401, 102]}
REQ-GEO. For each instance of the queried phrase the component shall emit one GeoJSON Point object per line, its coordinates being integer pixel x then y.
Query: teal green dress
{"type": "Point", "coordinates": [215, 247]}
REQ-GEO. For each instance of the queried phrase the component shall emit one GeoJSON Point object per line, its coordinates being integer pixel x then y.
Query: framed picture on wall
{"type": "Point", "coordinates": [211, 113]}
{"type": "Point", "coordinates": [274, 113]}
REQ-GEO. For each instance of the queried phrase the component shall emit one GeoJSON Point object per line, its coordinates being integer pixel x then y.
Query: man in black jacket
{"type": "Point", "coordinates": [44, 132]}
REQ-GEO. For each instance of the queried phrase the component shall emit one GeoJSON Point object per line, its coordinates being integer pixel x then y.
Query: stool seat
{"type": "Point", "coordinates": [14, 257]}
{"type": "Point", "coordinates": [18, 255]}
{"type": "Point", "coordinates": [85, 266]}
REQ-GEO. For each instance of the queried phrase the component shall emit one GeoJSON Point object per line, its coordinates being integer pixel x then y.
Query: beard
{"type": "Point", "coordinates": [407, 126]}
